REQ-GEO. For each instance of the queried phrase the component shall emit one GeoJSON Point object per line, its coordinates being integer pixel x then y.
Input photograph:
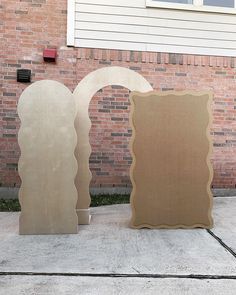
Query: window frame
{"type": "Point", "coordinates": [70, 36]}
{"type": "Point", "coordinates": [196, 6]}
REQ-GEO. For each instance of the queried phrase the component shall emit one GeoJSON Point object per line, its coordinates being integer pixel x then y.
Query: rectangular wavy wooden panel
{"type": "Point", "coordinates": [171, 171]}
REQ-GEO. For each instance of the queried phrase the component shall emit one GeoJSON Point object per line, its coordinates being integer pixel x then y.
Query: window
{"type": "Point", "coordinates": [219, 3]}
{"type": "Point", "coordinates": [223, 6]}
{"type": "Point", "coordinates": [177, 1]}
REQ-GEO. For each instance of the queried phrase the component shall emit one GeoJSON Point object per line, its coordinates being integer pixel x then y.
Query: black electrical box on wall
{"type": "Point", "coordinates": [23, 75]}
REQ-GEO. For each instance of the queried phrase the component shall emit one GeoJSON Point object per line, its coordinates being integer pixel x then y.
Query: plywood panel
{"type": "Point", "coordinates": [47, 165]}
{"type": "Point", "coordinates": [83, 94]}
{"type": "Point", "coordinates": [171, 171]}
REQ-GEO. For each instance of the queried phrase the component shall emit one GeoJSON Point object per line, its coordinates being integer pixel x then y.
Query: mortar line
{"type": "Point", "coordinates": [221, 243]}
{"type": "Point", "coordinates": [112, 275]}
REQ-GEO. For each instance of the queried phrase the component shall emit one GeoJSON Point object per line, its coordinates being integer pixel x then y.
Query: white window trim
{"type": "Point", "coordinates": [70, 23]}
{"type": "Point", "coordinates": [197, 6]}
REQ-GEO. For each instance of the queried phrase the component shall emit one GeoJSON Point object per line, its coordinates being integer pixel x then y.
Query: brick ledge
{"type": "Point", "coordinates": [107, 55]}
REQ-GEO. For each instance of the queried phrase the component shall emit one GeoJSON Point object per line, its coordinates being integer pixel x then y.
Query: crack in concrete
{"type": "Point", "coordinates": [112, 275]}
{"type": "Point", "coordinates": [219, 240]}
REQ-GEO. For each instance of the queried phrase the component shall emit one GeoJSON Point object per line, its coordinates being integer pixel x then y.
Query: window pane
{"type": "Point", "coordinates": [221, 3]}
{"type": "Point", "coordinates": [176, 1]}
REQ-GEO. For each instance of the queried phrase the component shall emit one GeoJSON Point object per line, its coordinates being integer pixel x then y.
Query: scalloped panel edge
{"type": "Point", "coordinates": [171, 148]}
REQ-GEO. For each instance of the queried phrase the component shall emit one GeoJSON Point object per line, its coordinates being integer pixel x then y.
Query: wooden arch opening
{"type": "Point", "coordinates": [83, 94]}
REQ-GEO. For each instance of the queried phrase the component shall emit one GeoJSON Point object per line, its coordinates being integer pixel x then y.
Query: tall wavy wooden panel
{"type": "Point", "coordinates": [47, 165]}
{"type": "Point", "coordinates": [171, 171]}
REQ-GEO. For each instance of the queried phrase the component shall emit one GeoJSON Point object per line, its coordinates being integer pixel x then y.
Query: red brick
{"type": "Point", "coordinates": [26, 40]}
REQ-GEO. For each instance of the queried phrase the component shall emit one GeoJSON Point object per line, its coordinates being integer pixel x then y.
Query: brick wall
{"type": "Point", "coordinates": [29, 26]}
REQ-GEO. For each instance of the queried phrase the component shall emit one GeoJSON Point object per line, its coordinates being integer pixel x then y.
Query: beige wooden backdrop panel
{"type": "Point", "coordinates": [171, 171]}
{"type": "Point", "coordinates": [47, 165]}
{"type": "Point", "coordinates": [83, 94]}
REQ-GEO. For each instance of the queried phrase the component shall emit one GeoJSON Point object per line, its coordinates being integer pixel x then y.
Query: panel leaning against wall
{"type": "Point", "coordinates": [171, 171]}
{"type": "Point", "coordinates": [47, 165]}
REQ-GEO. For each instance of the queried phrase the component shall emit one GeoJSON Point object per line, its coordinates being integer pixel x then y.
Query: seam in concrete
{"type": "Point", "coordinates": [221, 243]}
{"type": "Point", "coordinates": [112, 275]}
{"type": "Point", "coordinates": [234, 196]}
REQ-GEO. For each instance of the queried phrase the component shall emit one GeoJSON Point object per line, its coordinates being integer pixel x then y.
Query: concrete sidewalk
{"type": "Point", "coordinates": [107, 257]}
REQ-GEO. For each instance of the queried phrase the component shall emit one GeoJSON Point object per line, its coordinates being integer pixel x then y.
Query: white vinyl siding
{"type": "Point", "coordinates": [130, 25]}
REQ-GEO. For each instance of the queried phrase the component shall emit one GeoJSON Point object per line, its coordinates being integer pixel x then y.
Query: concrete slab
{"type": "Point", "coordinates": [110, 286]}
{"type": "Point", "coordinates": [109, 246]}
{"type": "Point", "coordinates": [225, 220]}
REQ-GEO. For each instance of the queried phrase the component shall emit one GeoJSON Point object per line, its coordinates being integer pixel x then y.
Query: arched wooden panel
{"type": "Point", "coordinates": [83, 94]}
{"type": "Point", "coordinates": [47, 165]}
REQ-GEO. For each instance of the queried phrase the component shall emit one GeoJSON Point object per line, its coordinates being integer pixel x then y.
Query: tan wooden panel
{"type": "Point", "coordinates": [171, 171]}
{"type": "Point", "coordinates": [47, 165]}
{"type": "Point", "coordinates": [83, 94]}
